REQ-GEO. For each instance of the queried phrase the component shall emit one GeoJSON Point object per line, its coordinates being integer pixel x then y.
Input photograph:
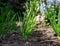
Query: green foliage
{"type": "Point", "coordinates": [29, 20]}
{"type": "Point", "coordinates": [7, 23]}
{"type": "Point", "coordinates": [55, 23]}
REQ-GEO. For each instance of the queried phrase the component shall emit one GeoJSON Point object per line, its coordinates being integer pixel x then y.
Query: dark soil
{"type": "Point", "coordinates": [42, 36]}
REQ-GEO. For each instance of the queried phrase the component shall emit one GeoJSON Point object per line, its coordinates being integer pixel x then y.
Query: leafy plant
{"type": "Point", "coordinates": [7, 23]}
{"type": "Point", "coordinates": [55, 22]}
{"type": "Point", "coordinates": [29, 20]}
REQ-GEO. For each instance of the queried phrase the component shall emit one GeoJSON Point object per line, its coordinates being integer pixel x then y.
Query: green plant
{"type": "Point", "coordinates": [29, 20]}
{"type": "Point", "coordinates": [55, 23]}
{"type": "Point", "coordinates": [7, 23]}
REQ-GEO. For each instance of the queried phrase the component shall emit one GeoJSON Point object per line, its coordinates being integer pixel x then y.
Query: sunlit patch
{"type": "Point", "coordinates": [19, 24]}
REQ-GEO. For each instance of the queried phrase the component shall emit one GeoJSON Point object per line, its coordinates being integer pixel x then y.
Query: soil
{"type": "Point", "coordinates": [42, 36]}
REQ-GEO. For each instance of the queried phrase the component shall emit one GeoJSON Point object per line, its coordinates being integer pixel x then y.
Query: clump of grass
{"type": "Point", "coordinates": [29, 20]}
{"type": "Point", "coordinates": [55, 23]}
{"type": "Point", "coordinates": [7, 23]}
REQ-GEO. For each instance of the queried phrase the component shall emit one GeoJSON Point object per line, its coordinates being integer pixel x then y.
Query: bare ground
{"type": "Point", "coordinates": [42, 36]}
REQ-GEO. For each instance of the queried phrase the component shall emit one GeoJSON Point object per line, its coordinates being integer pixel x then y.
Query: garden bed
{"type": "Point", "coordinates": [42, 36]}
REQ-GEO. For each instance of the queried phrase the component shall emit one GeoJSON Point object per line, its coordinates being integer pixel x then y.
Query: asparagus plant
{"type": "Point", "coordinates": [7, 23]}
{"type": "Point", "coordinates": [55, 22]}
{"type": "Point", "coordinates": [29, 20]}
